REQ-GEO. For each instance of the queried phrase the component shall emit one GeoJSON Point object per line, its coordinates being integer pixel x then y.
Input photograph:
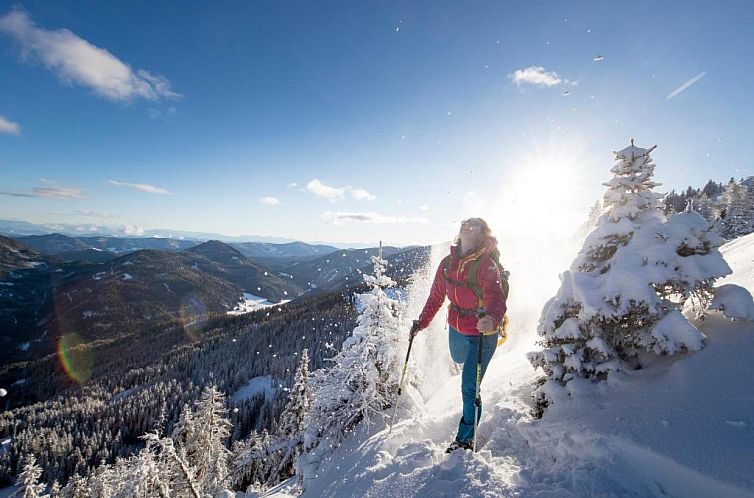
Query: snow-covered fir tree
{"type": "Point", "coordinates": [704, 206]}
{"type": "Point", "coordinates": [28, 480]}
{"type": "Point", "coordinates": [208, 429]}
{"type": "Point", "coordinates": [624, 291]}
{"type": "Point", "coordinates": [737, 209]}
{"type": "Point", "coordinates": [363, 381]}
{"type": "Point", "coordinates": [265, 460]}
{"type": "Point", "coordinates": [191, 462]}
{"type": "Point", "coordinates": [293, 420]}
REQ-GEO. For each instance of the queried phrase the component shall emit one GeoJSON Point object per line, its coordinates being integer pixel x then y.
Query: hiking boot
{"type": "Point", "coordinates": [458, 444]}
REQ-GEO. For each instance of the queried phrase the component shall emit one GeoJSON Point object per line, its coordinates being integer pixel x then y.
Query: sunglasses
{"type": "Point", "coordinates": [471, 224]}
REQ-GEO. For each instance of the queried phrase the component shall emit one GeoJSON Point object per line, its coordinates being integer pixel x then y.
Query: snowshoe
{"type": "Point", "coordinates": [458, 444]}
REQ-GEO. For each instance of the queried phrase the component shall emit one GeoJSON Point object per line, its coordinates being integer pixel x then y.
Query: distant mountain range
{"type": "Point", "coordinates": [16, 228]}
{"type": "Point", "coordinates": [102, 287]}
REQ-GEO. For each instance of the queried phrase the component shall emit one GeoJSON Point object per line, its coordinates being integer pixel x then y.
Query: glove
{"type": "Point", "coordinates": [414, 329]}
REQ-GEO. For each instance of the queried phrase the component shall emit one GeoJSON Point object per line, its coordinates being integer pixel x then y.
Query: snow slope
{"type": "Point", "coordinates": [679, 427]}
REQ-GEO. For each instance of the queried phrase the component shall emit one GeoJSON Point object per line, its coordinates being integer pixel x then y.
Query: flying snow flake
{"type": "Point", "coordinates": [403, 137]}
{"type": "Point", "coordinates": [450, 113]}
{"type": "Point", "coordinates": [588, 30]}
{"type": "Point", "coordinates": [259, 288]}
{"type": "Point", "coordinates": [598, 58]}
{"type": "Point", "coordinates": [265, 274]}
{"type": "Point", "coordinates": [234, 340]}
{"type": "Point", "coordinates": [486, 66]}
{"type": "Point", "coordinates": [3, 392]}
{"type": "Point", "coordinates": [498, 42]}
{"type": "Point", "coordinates": [286, 293]}
{"type": "Point", "coordinates": [397, 28]}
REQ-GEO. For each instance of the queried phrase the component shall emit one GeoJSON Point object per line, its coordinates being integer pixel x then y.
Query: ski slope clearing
{"type": "Point", "coordinates": [681, 426]}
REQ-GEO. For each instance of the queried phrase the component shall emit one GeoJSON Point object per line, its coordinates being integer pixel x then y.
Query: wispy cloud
{"type": "Point", "coordinates": [686, 85]}
{"type": "Point", "coordinates": [48, 189]}
{"type": "Point", "coordinates": [292, 184]}
{"type": "Point", "coordinates": [319, 189]}
{"type": "Point", "coordinates": [16, 194]}
{"type": "Point", "coordinates": [55, 191]}
{"type": "Point", "coordinates": [537, 76]}
{"type": "Point", "coordinates": [9, 127]}
{"type": "Point", "coordinates": [95, 214]}
{"type": "Point", "coordinates": [142, 187]}
{"type": "Point", "coordinates": [339, 218]}
{"type": "Point", "coordinates": [270, 201]}
{"type": "Point", "coordinates": [76, 61]}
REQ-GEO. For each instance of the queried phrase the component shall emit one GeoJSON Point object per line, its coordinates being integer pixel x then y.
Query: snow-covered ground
{"type": "Point", "coordinates": [680, 427]}
{"type": "Point", "coordinates": [256, 385]}
{"type": "Point", "coordinates": [250, 302]}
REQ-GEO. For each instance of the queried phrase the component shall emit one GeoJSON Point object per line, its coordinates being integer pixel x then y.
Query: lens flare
{"type": "Point", "coordinates": [74, 357]}
{"type": "Point", "coordinates": [192, 314]}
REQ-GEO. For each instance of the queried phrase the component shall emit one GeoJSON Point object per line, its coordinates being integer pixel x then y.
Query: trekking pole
{"type": "Point", "coordinates": [478, 399]}
{"type": "Point", "coordinates": [400, 384]}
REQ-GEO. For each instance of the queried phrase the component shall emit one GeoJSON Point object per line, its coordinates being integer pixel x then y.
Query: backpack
{"type": "Point", "coordinates": [473, 284]}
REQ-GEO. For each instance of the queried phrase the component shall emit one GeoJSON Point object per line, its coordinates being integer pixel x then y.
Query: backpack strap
{"type": "Point", "coordinates": [473, 282]}
{"type": "Point", "coordinates": [446, 272]}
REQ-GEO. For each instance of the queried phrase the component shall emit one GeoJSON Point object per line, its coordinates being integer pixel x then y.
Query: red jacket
{"type": "Point", "coordinates": [488, 276]}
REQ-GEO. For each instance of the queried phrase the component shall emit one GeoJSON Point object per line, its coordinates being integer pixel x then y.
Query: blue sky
{"type": "Point", "coordinates": [360, 121]}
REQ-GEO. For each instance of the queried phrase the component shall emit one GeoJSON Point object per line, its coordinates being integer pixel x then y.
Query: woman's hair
{"type": "Point", "coordinates": [486, 234]}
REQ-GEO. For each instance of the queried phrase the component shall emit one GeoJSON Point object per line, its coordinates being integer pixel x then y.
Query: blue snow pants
{"type": "Point", "coordinates": [463, 349]}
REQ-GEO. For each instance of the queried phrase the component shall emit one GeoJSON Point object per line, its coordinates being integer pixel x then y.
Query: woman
{"type": "Point", "coordinates": [477, 307]}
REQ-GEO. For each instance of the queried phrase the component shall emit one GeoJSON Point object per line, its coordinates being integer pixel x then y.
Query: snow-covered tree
{"type": "Point", "coordinates": [293, 420]}
{"type": "Point", "coordinates": [594, 213]}
{"type": "Point", "coordinates": [28, 480]}
{"type": "Point", "coordinates": [206, 432]}
{"type": "Point", "coordinates": [299, 401]}
{"type": "Point", "coordinates": [364, 378]}
{"type": "Point", "coordinates": [704, 206]}
{"type": "Point", "coordinates": [624, 291]}
{"type": "Point", "coordinates": [268, 460]}
{"type": "Point", "coordinates": [737, 206]}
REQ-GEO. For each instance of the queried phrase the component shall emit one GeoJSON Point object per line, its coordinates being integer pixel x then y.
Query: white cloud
{"type": "Point", "coordinates": [686, 85]}
{"type": "Point", "coordinates": [292, 184]}
{"type": "Point", "coordinates": [49, 190]}
{"type": "Point", "coordinates": [361, 194]}
{"type": "Point", "coordinates": [131, 230]}
{"type": "Point", "coordinates": [319, 189]}
{"type": "Point", "coordinates": [55, 191]}
{"type": "Point", "coordinates": [339, 218]}
{"type": "Point", "coordinates": [9, 127]}
{"type": "Point", "coordinates": [536, 75]}
{"type": "Point", "coordinates": [142, 187]}
{"type": "Point", "coordinates": [94, 214]}
{"type": "Point", "coordinates": [270, 201]}
{"type": "Point", "coordinates": [76, 61]}
{"type": "Point", "coordinates": [424, 207]}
